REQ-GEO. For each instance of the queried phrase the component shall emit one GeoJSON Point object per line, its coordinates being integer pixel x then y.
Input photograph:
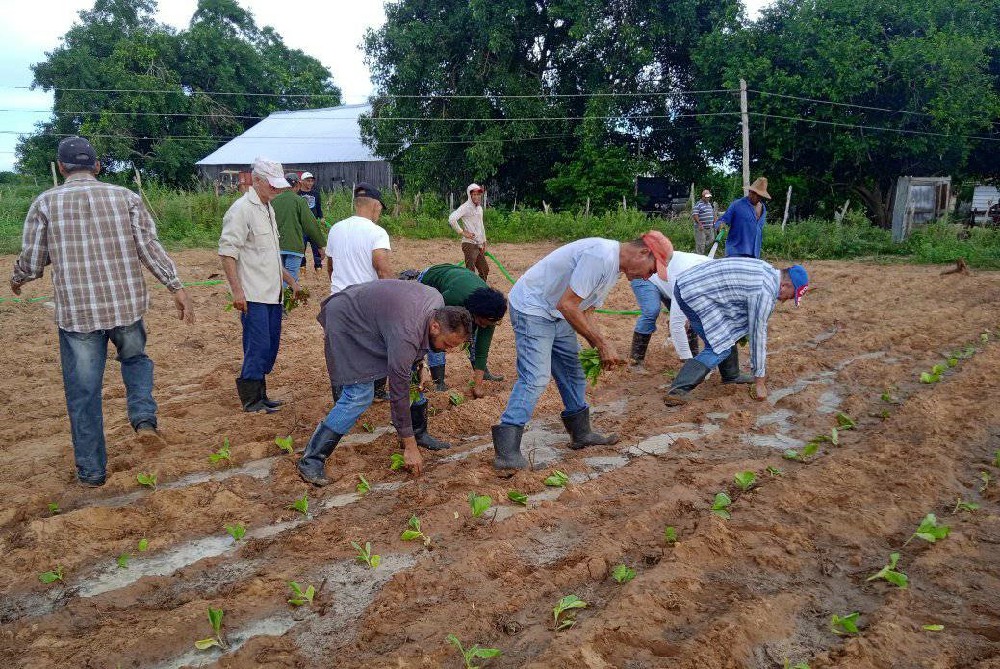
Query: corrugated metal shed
{"type": "Point", "coordinates": [983, 197]}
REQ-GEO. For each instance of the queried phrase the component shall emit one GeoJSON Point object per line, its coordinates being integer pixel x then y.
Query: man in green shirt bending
{"type": "Point", "coordinates": [463, 288]}
{"type": "Point", "coordinates": [295, 221]}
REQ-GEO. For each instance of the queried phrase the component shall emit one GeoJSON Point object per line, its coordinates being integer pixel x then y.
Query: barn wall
{"type": "Point", "coordinates": [329, 176]}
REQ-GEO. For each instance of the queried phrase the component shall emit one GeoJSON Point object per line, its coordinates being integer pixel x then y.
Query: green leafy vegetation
{"type": "Point", "coordinates": [123, 560]}
{"type": "Point", "coordinates": [720, 505]}
{"type": "Point", "coordinates": [413, 532]}
{"type": "Point", "coordinates": [299, 596]}
{"type": "Point", "coordinates": [996, 463]}
{"type": "Point", "coordinates": [845, 422]}
{"type": "Point", "coordinates": [52, 576]}
{"type": "Point", "coordinates": [366, 556]}
{"type": "Point", "coordinates": [557, 479]}
{"type": "Point", "coordinates": [456, 398]}
{"type": "Point", "coordinates": [289, 300]}
{"type": "Point", "coordinates": [143, 545]}
{"type": "Point", "coordinates": [222, 454]}
{"type": "Point", "coordinates": [933, 628]}
{"type": "Point", "coordinates": [368, 427]}
{"type": "Point", "coordinates": [745, 480]}
{"type": "Point", "coordinates": [845, 624]}
{"type": "Point", "coordinates": [396, 461]}
{"type": "Point", "coordinates": [623, 573]}
{"type": "Point", "coordinates": [890, 573]}
{"type": "Point", "coordinates": [54, 508]}
{"type": "Point", "coordinates": [215, 618]}
{"type": "Point", "coordinates": [590, 360]}
{"type": "Point", "coordinates": [670, 534]}
{"type": "Point", "coordinates": [985, 478]}
{"type": "Point", "coordinates": [564, 612]}
{"type": "Point", "coordinates": [479, 504]}
{"type": "Point", "coordinates": [285, 444]}
{"type": "Point", "coordinates": [929, 530]}
{"type": "Point", "coordinates": [517, 497]}
{"type": "Point", "coordinates": [148, 480]}
{"type": "Point", "coordinates": [962, 505]}
{"type": "Point", "coordinates": [237, 531]}
{"type": "Point", "coordinates": [774, 471]}
{"type": "Point", "coordinates": [363, 487]}
{"type": "Point", "coordinates": [472, 653]}
{"type": "Point", "coordinates": [301, 505]}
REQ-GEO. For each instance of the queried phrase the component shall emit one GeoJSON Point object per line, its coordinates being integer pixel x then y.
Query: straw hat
{"type": "Point", "coordinates": [760, 187]}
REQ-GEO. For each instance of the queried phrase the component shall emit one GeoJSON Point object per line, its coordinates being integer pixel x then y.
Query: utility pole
{"type": "Point", "coordinates": [745, 118]}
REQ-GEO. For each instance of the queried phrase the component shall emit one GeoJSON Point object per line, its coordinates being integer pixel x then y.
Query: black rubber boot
{"type": "Point", "coordinates": [418, 417]}
{"type": "Point", "coordinates": [578, 426]}
{"type": "Point", "coordinates": [691, 374]}
{"type": "Point", "coordinates": [251, 393]}
{"type": "Point", "coordinates": [729, 369]}
{"type": "Point", "coordinates": [507, 446]}
{"type": "Point", "coordinates": [487, 376]}
{"type": "Point", "coordinates": [312, 464]}
{"type": "Point", "coordinates": [693, 340]}
{"type": "Point", "coordinates": [380, 392]}
{"type": "Point", "coordinates": [437, 375]}
{"type": "Point", "coordinates": [640, 342]}
{"type": "Point", "coordinates": [274, 404]}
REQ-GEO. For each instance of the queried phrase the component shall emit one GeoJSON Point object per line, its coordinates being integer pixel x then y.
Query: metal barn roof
{"type": "Point", "coordinates": [329, 135]}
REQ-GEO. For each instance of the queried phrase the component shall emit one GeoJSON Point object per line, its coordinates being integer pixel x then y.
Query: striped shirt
{"type": "Point", "coordinates": [733, 298]}
{"type": "Point", "coordinates": [97, 237]}
{"type": "Point", "coordinates": [704, 212]}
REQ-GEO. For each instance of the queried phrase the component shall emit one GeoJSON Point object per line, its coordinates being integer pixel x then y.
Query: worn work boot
{"type": "Point", "coordinates": [691, 374]}
{"type": "Point", "coordinates": [578, 426]}
{"type": "Point", "coordinates": [693, 341]}
{"type": "Point", "coordinates": [640, 342]}
{"type": "Point", "coordinates": [507, 446]}
{"type": "Point", "coordinates": [729, 369]}
{"type": "Point", "coordinates": [312, 464]}
{"type": "Point", "coordinates": [487, 376]}
{"type": "Point", "coordinates": [437, 375]}
{"type": "Point", "coordinates": [274, 404]}
{"type": "Point", "coordinates": [418, 417]}
{"type": "Point", "coordinates": [381, 395]}
{"type": "Point", "coordinates": [251, 393]}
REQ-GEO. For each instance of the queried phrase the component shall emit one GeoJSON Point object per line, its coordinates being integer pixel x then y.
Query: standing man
{"type": "Point", "coordinates": [725, 301]}
{"type": "Point", "coordinates": [312, 197]}
{"type": "Point", "coordinates": [704, 222]}
{"type": "Point", "coordinates": [472, 230]}
{"type": "Point", "coordinates": [251, 258]}
{"type": "Point", "coordinates": [651, 294]}
{"type": "Point", "coordinates": [375, 330]}
{"type": "Point", "coordinates": [295, 223]}
{"type": "Point", "coordinates": [746, 218]}
{"type": "Point", "coordinates": [97, 237]}
{"type": "Point", "coordinates": [550, 305]}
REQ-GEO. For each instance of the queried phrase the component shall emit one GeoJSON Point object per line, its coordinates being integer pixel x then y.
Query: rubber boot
{"type": "Point", "coordinates": [640, 342]}
{"type": "Point", "coordinates": [578, 426]}
{"type": "Point", "coordinates": [251, 393]}
{"type": "Point", "coordinates": [729, 369]}
{"type": "Point", "coordinates": [691, 374]}
{"type": "Point", "coordinates": [694, 343]}
{"type": "Point", "coordinates": [274, 404]}
{"type": "Point", "coordinates": [380, 392]}
{"type": "Point", "coordinates": [437, 375]}
{"type": "Point", "coordinates": [418, 417]}
{"type": "Point", "coordinates": [487, 376]}
{"type": "Point", "coordinates": [312, 464]}
{"type": "Point", "coordinates": [507, 446]}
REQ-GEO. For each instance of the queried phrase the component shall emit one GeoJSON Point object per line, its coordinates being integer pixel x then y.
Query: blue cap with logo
{"type": "Point", "coordinates": [797, 273]}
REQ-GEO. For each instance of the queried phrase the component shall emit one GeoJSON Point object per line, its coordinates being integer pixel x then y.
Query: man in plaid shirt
{"type": "Point", "coordinates": [704, 222]}
{"type": "Point", "coordinates": [97, 237]}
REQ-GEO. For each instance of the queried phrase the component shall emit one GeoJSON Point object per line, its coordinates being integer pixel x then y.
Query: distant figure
{"type": "Point", "coordinates": [97, 237]}
{"type": "Point", "coordinates": [704, 223]}
{"type": "Point", "coordinates": [295, 223]}
{"type": "Point", "coordinates": [472, 230]}
{"type": "Point", "coordinates": [307, 182]}
{"type": "Point", "coordinates": [746, 218]}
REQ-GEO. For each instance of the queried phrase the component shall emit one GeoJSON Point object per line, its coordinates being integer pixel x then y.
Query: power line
{"type": "Point", "coordinates": [839, 104]}
{"type": "Point", "coordinates": [879, 128]}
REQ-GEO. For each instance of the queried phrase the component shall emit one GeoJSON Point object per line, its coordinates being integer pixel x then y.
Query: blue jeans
{"type": "Point", "coordinates": [292, 262]}
{"type": "Point", "coordinates": [354, 400]}
{"type": "Point", "coordinates": [545, 348]}
{"type": "Point", "coordinates": [317, 258]}
{"type": "Point", "coordinates": [649, 298]}
{"type": "Point", "coordinates": [83, 356]}
{"type": "Point", "coordinates": [261, 337]}
{"type": "Point", "coordinates": [708, 356]}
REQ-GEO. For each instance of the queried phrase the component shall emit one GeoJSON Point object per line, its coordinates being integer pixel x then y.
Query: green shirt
{"type": "Point", "coordinates": [456, 284]}
{"type": "Point", "coordinates": [295, 221]}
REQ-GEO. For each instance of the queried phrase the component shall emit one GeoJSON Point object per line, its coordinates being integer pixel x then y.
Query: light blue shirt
{"type": "Point", "coordinates": [587, 266]}
{"type": "Point", "coordinates": [746, 230]}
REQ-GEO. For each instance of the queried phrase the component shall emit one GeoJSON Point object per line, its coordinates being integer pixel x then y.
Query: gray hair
{"type": "Point", "coordinates": [454, 320]}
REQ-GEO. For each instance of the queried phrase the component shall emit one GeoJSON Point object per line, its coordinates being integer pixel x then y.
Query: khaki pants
{"type": "Point", "coordinates": [703, 239]}
{"type": "Point", "coordinates": [475, 259]}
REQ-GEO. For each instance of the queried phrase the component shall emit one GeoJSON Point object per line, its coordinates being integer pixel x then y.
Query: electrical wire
{"type": "Point", "coordinates": [875, 127]}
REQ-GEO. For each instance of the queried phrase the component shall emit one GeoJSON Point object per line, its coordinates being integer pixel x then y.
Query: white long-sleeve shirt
{"type": "Point", "coordinates": [679, 263]}
{"type": "Point", "coordinates": [471, 216]}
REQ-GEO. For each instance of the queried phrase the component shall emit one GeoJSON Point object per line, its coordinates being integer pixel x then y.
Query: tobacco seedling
{"type": "Point", "coordinates": [670, 534]}
{"type": "Point", "coordinates": [518, 497]}
{"type": "Point", "coordinates": [229, 305]}
{"type": "Point", "coordinates": [985, 337]}
{"type": "Point", "coordinates": [745, 480]}
{"type": "Point", "coordinates": [148, 480]}
{"type": "Point", "coordinates": [996, 463]}
{"type": "Point", "coordinates": [845, 624]}
{"type": "Point", "coordinates": [889, 573]}
{"type": "Point", "coordinates": [933, 628]}
{"type": "Point", "coordinates": [290, 300]}
{"type": "Point", "coordinates": [952, 362]}
{"type": "Point", "coordinates": [47, 577]}
{"type": "Point", "coordinates": [301, 505]}
{"type": "Point", "coordinates": [845, 422]}
{"type": "Point", "coordinates": [479, 504]}
{"type": "Point", "coordinates": [961, 505]}
{"type": "Point", "coordinates": [985, 478]}
{"type": "Point", "coordinates": [720, 506]}
{"type": "Point", "coordinates": [368, 427]}
{"type": "Point", "coordinates": [123, 560]}
{"type": "Point", "coordinates": [414, 532]}
{"type": "Point", "coordinates": [808, 450]}
{"type": "Point", "coordinates": [622, 573]}
{"type": "Point", "coordinates": [54, 508]}
{"type": "Point", "coordinates": [800, 665]}
{"type": "Point", "coordinates": [396, 461]}
{"type": "Point", "coordinates": [590, 360]}
{"type": "Point", "coordinates": [414, 393]}
{"type": "Point", "coordinates": [473, 652]}
{"type": "Point", "coordinates": [143, 545]}
{"type": "Point", "coordinates": [365, 555]}
{"type": "Point", "coordinates": [214, 617]}
{"type": "Point", "coordinates": [285, 444]}
{"type": "Point", "coordinates": [363, 486]}
{"type": "Point", "coordinates": [222, 453]}
{"type": "Point", "coordinates": [557, 479]}
{"type": "Point", "coordinates": [236, 531]}
{"type": "Point", "coordinates": [567, 603]}
{"type": "Point", "coordinates": [774, 471]}
{"type": "Point", "coordinates": [938, 369]}
{"type": "Point", "coordinates": [929, 530]}
{"type": "Point", "coordinates": [928, 377]}
{"type": "Point", "coordinates": [456, 398]}
{"type": "Point", "coordinates": [300, 596]}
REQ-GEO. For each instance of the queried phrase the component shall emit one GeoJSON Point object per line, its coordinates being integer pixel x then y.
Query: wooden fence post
{"type": "Point", "coordinates": [788, 200]}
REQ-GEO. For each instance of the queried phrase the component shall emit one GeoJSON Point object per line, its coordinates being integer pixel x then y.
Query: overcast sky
{"type": "Point", "coordinates": [329, 31]}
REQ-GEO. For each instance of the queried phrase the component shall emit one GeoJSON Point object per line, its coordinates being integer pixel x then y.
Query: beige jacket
{"type": "Point", "coordinates": [250, 235]}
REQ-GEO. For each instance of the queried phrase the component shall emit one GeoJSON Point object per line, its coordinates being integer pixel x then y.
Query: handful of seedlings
{"type": "Point", "coordinates": [289, 300]}
{"type": "Point", "coordinates": [590, 360]}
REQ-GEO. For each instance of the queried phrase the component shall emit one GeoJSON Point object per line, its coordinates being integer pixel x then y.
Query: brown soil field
{"type": "Point", "coordinates": [757, 590]}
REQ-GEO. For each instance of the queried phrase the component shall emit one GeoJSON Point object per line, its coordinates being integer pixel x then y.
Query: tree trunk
{"type": "Point", "coordinates": [876, 202]}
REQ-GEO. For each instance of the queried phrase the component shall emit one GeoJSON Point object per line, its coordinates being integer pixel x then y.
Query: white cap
{"type": "Point", "coordinates": [306, 175]}
{"type": "Point", "coordinates": [272, 171]}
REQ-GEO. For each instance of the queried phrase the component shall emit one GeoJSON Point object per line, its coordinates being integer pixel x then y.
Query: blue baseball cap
{"type": "Point", "coordinates": [797, 273]}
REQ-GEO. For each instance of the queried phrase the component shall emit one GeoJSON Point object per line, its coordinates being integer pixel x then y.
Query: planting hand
{"type": "Point", "coordinates": [477, 390]}
{"type": "Point", "coordinates": [760, 389]}
{"type": "Point", "coordinates": [411, 456]}
{"type": "Point", "coordinates": [609, 356]}
{"type": "Point", "coordinates": [185, 309]}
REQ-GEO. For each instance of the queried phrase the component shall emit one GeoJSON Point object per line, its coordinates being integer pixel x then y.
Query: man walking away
{"type": "Point", "coordinates": [251, 259]}
{"type": "Point", "coordinates": [374, 330]}
{"type": "Point", "coordinates": [295, 222]}
{"type": "Point", "coordinates": [725, 301]}
{"type": "Point", "coordinates": [704, 222]}
{"type": "Point", "coordinates": [472, 230]}
{"type": "Point", "coordinates": [746, 218]}
{"type": "Point", "coordinates": [97, 237]}
{"type": "Point", "coordinates": [550, 305]}
{"type": "Point", "coordinates": [307, 192]}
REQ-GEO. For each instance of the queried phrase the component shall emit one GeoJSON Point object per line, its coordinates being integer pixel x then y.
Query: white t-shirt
{"type": "Point", "coordinates": [588, 266]}
{"type": "Point", "coordinates": [349, 245]}
{"type": "Point", "coordinates": [679, 263]}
